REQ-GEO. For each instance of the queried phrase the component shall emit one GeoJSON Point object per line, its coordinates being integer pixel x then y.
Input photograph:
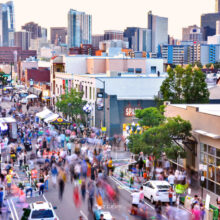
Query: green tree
{"type": "Point", "coordinates": [149, 117]}
{"type": "Point", "coordinates": [185, 85]}
{"type": "Point", "coordinates": [71, 104]}
{"type": "Point", "coordinates": [165, 135]}
{"type": "Point", "coordinates": [3, 78]}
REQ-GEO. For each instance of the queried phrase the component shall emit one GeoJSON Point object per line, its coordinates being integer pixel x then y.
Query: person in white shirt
{"type": "Point", "coordinates": [171, 179]}
{"type": "Point", "coordinates": [135, 202]}
{"type": "Point", "coordinates": [147, 164]}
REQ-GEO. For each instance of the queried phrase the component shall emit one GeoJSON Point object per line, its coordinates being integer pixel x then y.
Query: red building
{"type": "Point", "coordinates": [84, 49]}
{"type": "Point", "coordinates": [37, 75]}
{"type": "Point", "coordinates": [10, 55]}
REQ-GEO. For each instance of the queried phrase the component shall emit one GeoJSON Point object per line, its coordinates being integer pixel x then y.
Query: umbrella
{"type": "Point", "coordinates": [31, 96]}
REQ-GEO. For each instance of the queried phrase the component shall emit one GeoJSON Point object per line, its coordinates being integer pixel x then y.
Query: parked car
{"type": "Point", "coordinates": [40, 211]}
{"type": "Point", "coordinates": [156, 190]}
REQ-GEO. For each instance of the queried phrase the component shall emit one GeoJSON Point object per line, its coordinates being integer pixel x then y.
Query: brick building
{"type": "Point", "coordinates": [10, 55]}
{"type": "Point", "coordinates": [84, 49]}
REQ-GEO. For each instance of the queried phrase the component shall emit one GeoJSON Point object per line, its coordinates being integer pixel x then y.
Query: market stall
{"type": "Point", "coordinates": [51, 118]}
{"type": "Point", "coordinates": [8, 127]}
{"type": "Point", "coordinates": [44, 114]}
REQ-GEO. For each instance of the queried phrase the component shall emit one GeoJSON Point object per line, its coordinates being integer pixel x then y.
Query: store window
{"type": "Point", "coordinates": [210, 156]}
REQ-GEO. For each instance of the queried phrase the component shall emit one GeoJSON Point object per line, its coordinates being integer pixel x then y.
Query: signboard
{"type": "Point", "coordinates": [130, 111]}
{"type": "Point", "coordinates": [203, 167]}
{"type": "Point", "coordinates": [100, 101]}
{"type": "Point", "coordinates": [104, 129]}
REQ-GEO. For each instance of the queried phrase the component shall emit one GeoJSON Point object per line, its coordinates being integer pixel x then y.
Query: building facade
{"type": "Point", "coordinates": [96, 39]}
{"type": "Point", "coordinates": [217, 6]}
{"type": "Point", "coordinates": [113, 35]}
{"type": "Point", "coordinates": [79, 28]}
{"type": "Point", "coordinates": [34, 29]}
{"type": "Point", "coordinates": [159, 31]}
{"type": "Point", "coordinates": [22, 39]}
{"type": "Point", "coordinates": [208, 24]}
{"type": "Point", "coordinates": [7, 26]}
{"type": "Point", "coordinates": [58, 35]}
{"type": "Point", "coordinates": [129, 34]}
{"type": "Point", "coordinates": [192, 33]}
{"type": "Point", "coordinates": [204, 150]}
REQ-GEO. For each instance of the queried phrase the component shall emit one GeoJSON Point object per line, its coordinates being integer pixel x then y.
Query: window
{"type": "Point", "coordinates": [131, 70]}
{"type": "Point", "coordinates": [153, 69]}
{"type": "Point", "coordinates": [212, 150]}
{"type": "Point", "coordinates": [138, 70]}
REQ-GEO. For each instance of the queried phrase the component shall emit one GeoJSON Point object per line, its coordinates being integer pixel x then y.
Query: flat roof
{"type": "Point", "coordinates": [212, 109]}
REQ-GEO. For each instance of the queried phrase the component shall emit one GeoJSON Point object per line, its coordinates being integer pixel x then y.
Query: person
{"type": "Point", "coordinates": [218, 203]}
{"type": "Point", "coordinates": [54, 174]}
{"type": "Point", "coordinates": [62, 180]}
{"type": "Point", "coordinates": [41, 183]}
{"type": "Point", "coordinates": [69, 147]}
{"type": "Point", "coordinates": [147, 164]}
{"type": "Point", "coordinates": [170, 195]}
{"type": "Point", "coordinates": [196, 214]}
{"type": "Point", "coordinates": [91, 190]}
{"type": "Point", "coordinates": [141, 194]}
{"type": "Point", "coordinates": [102, 217]}
{"type": "Point", "coordinates": [171, 179]}
{"type": "Point", "coordinates": [158, 209]}
{"type": "Point", "coordinates": [46, 180]}
{"type": "Point", "coordinates": [1, 199]}
{"type": "Point", "coordinates": [167, 165]}
{"type": "Point", "coordinates": [8, 181]}
{"type": "Point", "coordinates": [135, 202]}
{"type": "Point", "coordinates": [110, 166]}
{"type": "Point", "coordinates": [83, 189]}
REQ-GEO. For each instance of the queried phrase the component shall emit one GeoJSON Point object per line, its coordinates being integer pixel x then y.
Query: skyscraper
{"type": "Point", "coordinates": [208, 24]}
{"type": "Point", "coordinates": [7, 26]}
{"type": "Point", "coordinates": [34, 29]}
{"type": "Point", "coordinates": [217, 6]}
{"type": "Point", "coordinates": [159, 31]}
{"type": "Point", "coordinates": [58, 35]}
{"type": "Point", "coordinates": [22, 39]}
{"type": "Point", "coordinates": [79, 28]}
{"type": "Point", "coordinates": [191, 33]}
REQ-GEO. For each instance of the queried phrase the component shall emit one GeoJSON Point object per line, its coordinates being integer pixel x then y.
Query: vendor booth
{"type": "Point", "coordinates": [60, 121]}
{"type": "Point", "coordinates": [8, 127]}
{"type": "Point", "coordinates": [43, 115]}
{"type": "Point", "coordinates": [51, 118]}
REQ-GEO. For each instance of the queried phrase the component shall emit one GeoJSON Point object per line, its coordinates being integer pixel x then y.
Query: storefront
{"type": "Point", "coordinates": [210, 157]}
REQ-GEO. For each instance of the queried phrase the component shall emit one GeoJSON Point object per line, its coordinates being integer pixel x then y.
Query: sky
{"type": "Point", "coordinates": [113, 14]}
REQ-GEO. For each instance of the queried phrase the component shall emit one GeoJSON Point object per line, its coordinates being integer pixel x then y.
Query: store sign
{"type": "Point", "coordinates": [130, 111]}
{"type": "Point", "coordinates": [100, 101]}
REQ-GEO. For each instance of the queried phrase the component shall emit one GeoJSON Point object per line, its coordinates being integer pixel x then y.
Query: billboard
{"type": "Point", "coordinates": [100, 101]}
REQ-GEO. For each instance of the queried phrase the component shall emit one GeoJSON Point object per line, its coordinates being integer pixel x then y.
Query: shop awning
{"type": "Point", "coordinates": [44, 114]}
{"type": "Point", "coordinates": [35, 91]}
{"type": "Point", "coordinates": [7, 120]}
{"type": "Point", "coordinates": [207, 134]}
{"type": "Point", "coordinates": [51, 118]}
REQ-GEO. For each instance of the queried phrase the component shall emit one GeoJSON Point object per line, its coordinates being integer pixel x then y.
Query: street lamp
{"type": "Point", "coordinates": [103, 82]}
{"type": "Point", "coordinates": [87, 109]}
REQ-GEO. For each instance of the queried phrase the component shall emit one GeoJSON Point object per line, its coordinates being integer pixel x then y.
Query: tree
{"type": "Point", "coordinates": [71, 104]}
{"type": "Point", "coordinates": [164, 136]}
{"type": "Point", "coordinates": [3, 78]}
{"type": "Point", "coordinates": [149, 117]}
{"type": "Point", "coordinates": [185, 85]}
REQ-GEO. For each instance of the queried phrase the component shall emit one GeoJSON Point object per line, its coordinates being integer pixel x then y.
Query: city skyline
{"type": "Point", "coordinates": [114, 15]}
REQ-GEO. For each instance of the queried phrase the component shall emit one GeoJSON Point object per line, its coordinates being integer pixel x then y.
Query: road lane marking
{"type": "Point", "coordinates": [9, 206]}
{"type": "Point", "coordinates": [15, 211]}
{"type": "Point", "coordinates": [83, 214]}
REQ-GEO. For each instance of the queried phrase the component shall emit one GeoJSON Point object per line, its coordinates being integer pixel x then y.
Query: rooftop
{"type": "Point", "coordinates": [212, 109]}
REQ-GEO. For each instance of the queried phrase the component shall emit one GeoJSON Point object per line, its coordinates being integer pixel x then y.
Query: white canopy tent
{"type": "Point", "coordinates": [31, 96]}
{"type": "Point", "coordinates": [51, 118]}
{"type": "Point", "coordinates": [44, 114]}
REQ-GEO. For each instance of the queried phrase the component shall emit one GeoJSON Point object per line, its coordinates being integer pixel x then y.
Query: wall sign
{"type": "Point", "coordinates": [130, 111]}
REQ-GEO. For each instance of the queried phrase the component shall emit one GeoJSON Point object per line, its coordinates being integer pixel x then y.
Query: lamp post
{"type": "Point", "coordinates": [87, 109]}
{"type": "Point", "coordinates": [103, 82]}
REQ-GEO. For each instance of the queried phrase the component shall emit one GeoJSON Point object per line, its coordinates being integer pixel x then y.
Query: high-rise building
{"type": "Point", "coordinates": [113, 35]}
{"type": "Point", "coordinates": [208, 24]}
{"type": "Point", "coordinates": [22, 39]}
{"type": "Point", "coordinates": [34, 29]}
{"type": "Point", "coordinates": [192, 33]}
{"type": "Point", "coordinates": [217, 6]}
{"type": "Point", "coordinates": [58, 35]}
{"type": "Point", "coordinates": [44, 33]}
{"type": "Point", "coordinates": [129, 33]}
{"type": "Point", "coordinates": [141, 41]}
{"type": "Point", "coordinates": [96, 39]}
{"type": "Point", "coordinates": [159, 31]}
{"type": "Point", "coordinates": [79, 28]}
{"type": "Point", "coordinates": [7, 27]}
